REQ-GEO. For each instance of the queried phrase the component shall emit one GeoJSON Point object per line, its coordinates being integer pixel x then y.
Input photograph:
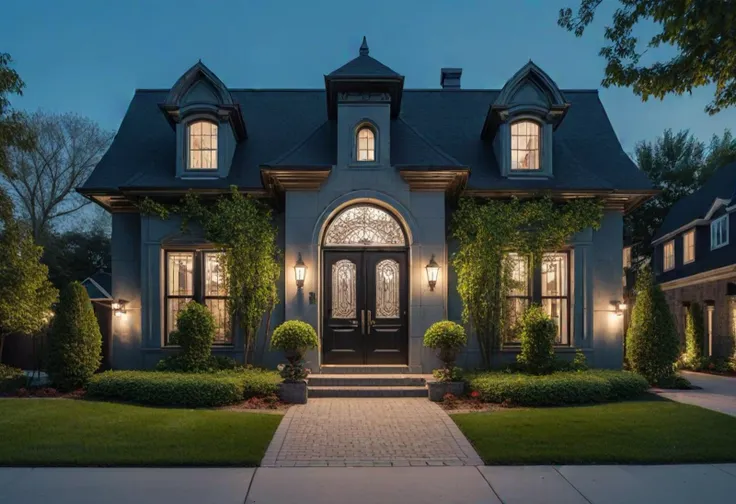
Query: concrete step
{"type": "Point", "coordinates": [371, 391]}
{"type": "Point", "coordinates": [383, 369]}
{"type": "Point", "coordinates": [361, 380]}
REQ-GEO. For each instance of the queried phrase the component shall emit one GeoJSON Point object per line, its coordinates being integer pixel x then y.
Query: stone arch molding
{"type": "Point", "coordinates": [390, 205]}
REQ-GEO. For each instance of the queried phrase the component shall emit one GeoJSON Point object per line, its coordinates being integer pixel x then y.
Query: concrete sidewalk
{"type": "Point", "coordinates": [358, 485]}
{"type": "Point", "coordinates": [717, 393]}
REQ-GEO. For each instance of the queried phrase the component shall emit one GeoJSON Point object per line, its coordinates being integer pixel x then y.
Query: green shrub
{"type": "Point", "coordinates": [182, 389]}
{"type": "Point", "coordinates": [652, 344]}
{"type": "Point", "coordinates": [447, 338]}
{"type": "Point", "coordinates": [557, 389]}
{"type": "Point", "coordinates": [75, 342]}
{"type": "Point", "coordinates": [294, 337]}
{"type": "Point", "coordinates": [11, 379]}
{"type": "Point", "coordinates": [537, 335]}
{"type": "Point", "coordinates": [195, 332]}
{"type": "Point", "coordinates": [694, 334]}
{"type": "Point", "coordinates": [177, 364]}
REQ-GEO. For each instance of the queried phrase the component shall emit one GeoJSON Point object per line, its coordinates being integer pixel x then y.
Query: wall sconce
{"type": "Point", "coordinates": [433, 271]}
{"type": "Point", "coordinates": [300, 271]}
{"type": "Point", "coordinates": [118, 308]}
{"type": "Point", "coordinates": [618, 307]}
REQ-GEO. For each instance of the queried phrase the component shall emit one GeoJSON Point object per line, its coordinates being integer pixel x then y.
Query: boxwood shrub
{"type": "Point", "coordinates": [182, 389]}
{"type": "Point", "coordinates": [11, 379]}
{"type": "Point", "coordinates": [557, 389]}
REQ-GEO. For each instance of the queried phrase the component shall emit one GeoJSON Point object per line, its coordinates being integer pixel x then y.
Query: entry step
{"type": "Point", "coordinates": [382, 369]}
{"type": "Point", "coordinates": [367, 391]}
{"type": "Point", "coordinates": [363, 380]}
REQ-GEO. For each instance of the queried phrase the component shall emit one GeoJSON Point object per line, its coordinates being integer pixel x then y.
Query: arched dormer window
{"type": "Point", "coordinates": [365, 144]}
{"type": "Point", "coordinates": [525, 145]}
{"type": "Point", "coordinates": [202, 146]}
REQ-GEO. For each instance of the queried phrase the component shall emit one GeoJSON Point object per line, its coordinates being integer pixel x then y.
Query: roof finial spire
{"type": "Point", "coordinates": [364, 47]}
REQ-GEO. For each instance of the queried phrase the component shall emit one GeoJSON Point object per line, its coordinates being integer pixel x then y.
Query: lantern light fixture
{"type": "Point", "coordinates": [433, 271]}
{"type": "Point", "coordinates": [118, 308]}
{"type": "Point", "coordinates": [300, 271]}
{"type": "Point", "coordinates": [619, 307]}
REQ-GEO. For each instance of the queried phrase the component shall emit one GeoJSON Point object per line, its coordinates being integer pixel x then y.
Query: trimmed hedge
{"type": "Point", "coordinates": [182, 389]}
{"type": "Point", "coordinates": [558, 389]}
{"type": "Point", "coordinates": [11, 379]}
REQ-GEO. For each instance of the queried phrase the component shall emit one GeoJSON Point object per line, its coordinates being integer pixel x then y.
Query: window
{"type": "Point", "coordinates": [688, 247]}
{"type": "Point", "coordinates": [553, 278]}
{"type": "Point", "coordinates": [669, 255]}
{"type": "Point", "coordinates": [719, 232]}
{"type": "Point", "coordinates": [525, 145]}
{"type": "Point", "coordinates": [366, 144]}
{"type": "Point", "coordinates": [627, 257]}
{"type": "Point", "coordinates": [197, 276]}
{"type": "Point", "coordinates": [203, 146]}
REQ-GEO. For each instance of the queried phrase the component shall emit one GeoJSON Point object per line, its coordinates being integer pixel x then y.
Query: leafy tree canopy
{"type": "Point", "coordinates": [76, 255]}
{"type": "Point", "coordinates": [702, 33]}
{"type": "Point", "coordinates": [13, 130]}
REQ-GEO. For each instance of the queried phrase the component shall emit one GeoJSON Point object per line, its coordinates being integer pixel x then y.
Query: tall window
{"type": "Point", "coordinates": [669, 255]}
{"type": "Point", "coordinates": [553, 293]}
{"type": "Point", "coordinates": [366, 144]}
{"type": "Point", "coordinates": [719, 232]}
{"type": "Point", "coordinates": [525, 145]}
{"type": "Point", "coordinates": [202, 146]}
{"type": "Point", "coordinates": [197, 276]}
{"type": "Point", "coordinates": [627, 262]}
{"type": "Point", "coordinates": [688, 247]}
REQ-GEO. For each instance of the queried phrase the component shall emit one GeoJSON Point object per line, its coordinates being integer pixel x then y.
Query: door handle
{"type": "Point", "coordinates": [362, 321]}
{"type": "Point", "coordinates": [370, 322]}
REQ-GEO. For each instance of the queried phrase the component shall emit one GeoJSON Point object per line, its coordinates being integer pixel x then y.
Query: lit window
{"type": "Point", "coordinates": [519, 296]}
{"type": "Point", "coordinates": [203, 146]}
{"type": "Point", "coordinates": [627, 257]}
{"type": "Point", "coordinates": [688, 247]}
{"type": "Point", "coordinates": [525, 145]}
{"type": "Point", "coordinates": [201, 277]}
{"type": "Point", "coordinates": [719, 232]}
{"type": "Point", "coordinates": [555, 293]}
{"type": "Point", "coordinates": [366, 145]}
{"type": "Point", "coordinates": [669, 255]}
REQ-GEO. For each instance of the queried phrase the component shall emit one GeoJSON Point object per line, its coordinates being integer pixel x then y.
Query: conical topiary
{"type": "Point", "coordinates": [75, 342]}
{"type": "Point", "coordinates": [652, 344]}
{"type": "Point", "coordinates": [694, 334]}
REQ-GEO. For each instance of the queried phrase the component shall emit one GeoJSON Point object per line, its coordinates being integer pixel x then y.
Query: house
{"type": "Point", "coordinates": [695, 259]}
{"type": "Point", "coordinates": [363, 175]}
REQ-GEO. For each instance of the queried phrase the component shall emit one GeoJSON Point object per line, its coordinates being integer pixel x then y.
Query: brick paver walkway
{"type": "Point", "coordinates": [368, 432]}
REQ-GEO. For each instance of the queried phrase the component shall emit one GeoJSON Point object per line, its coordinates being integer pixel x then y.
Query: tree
{"type": "Point", "coordinates": [700, 31]}
{"type": "Point", "coordinates": [76, 255]}
{"type": "Point", "coordinates": [44, 178]}
{"type": "Point", "coordinates": [75, 342]}
{"type": "Point", "coordinates": [652, 344]}
{"type": "Point", "coordinates": [694, 337]}
{"type": "Point", "coordinates": [721, 151]}
{"type": "Point", "coordinates": [13, 130]}
{"type": "Point", "coordinates": [26, 295]}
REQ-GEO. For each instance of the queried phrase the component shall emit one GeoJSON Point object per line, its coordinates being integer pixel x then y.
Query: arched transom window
{"type": "Point", "coordinates": [203, 146]}
{"type": "Point", "coordinates": [525, 145]}
{"type": "Point", "coordinates": [366, 144]}
{"type": "Point", "coordinates": [364, 226]}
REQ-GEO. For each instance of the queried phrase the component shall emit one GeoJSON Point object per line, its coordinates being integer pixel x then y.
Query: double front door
{"type": "Point", "coordinates": [365, 307]}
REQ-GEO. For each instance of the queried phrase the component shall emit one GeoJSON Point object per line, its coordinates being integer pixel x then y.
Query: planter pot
{"type": "Point", "coordinates": [294, 393]}
{"type": "Point", "coordinates": [437, 390]}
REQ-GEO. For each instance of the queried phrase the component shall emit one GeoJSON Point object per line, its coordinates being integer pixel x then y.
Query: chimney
{"type": "Point", "coordinates": [450, 78]}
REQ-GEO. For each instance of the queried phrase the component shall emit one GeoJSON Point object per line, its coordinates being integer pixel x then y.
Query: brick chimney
{"type": "Point", "coordinates": [450, 78]}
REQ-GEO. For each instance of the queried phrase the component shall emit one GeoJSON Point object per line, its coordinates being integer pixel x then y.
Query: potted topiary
{"type": "Point", "coordinates": [447, 338]}
{"type": "Point", "coordinates": [294, 338]}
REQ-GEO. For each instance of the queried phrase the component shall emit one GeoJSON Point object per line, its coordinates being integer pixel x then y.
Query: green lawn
{"type": "Point", "coordinates": [648, 431]}
{"type": "Point", "coordinates": [58, 432]}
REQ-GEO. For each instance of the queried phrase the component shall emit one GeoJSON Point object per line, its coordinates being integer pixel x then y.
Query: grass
{"type": "Point", "coordinates": [60, 432]}
{"type": "Point", "coordinates": [648, 431]}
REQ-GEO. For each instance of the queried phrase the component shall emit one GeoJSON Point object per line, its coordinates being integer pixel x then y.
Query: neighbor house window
{"type": "Point", "coordinates": [366, 144]}
{"type": "Point", "coordinates": [553, 277]}
{"type": "Point", "coordinates": [627, 262]}
{"type": "Point", "coordinates": [669, 255]}
{"type": "Point", "coordinates": [719, 232]}
{"type": "Point", "coordinates": [197, 276]}
{"type": "Point", "coordinates": [525, 145]}
{"type": "Point", "coordinates": [203, 146]}
{"type": "Point", "coordinates": [688, 247]}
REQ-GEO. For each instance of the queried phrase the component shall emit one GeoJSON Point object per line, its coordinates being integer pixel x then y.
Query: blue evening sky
{"type": "Point", "coordinates": [88, 56]}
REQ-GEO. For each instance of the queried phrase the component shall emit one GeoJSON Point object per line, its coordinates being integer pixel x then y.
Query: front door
{"type": "Point", "coordinates": [365, 307]}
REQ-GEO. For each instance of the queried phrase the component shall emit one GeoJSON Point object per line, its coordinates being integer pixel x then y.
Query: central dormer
{"type": "Point", "coordinates": [363, 96]}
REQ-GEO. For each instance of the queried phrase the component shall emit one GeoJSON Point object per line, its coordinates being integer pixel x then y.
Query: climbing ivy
{"type": "Point", "coordinates": [242, 226]}
{"type": "Point", "coordinates": [487, 231]}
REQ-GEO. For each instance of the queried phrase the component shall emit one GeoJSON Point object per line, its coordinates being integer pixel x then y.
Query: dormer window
{"type": "Point", "coordinates": [202, 146]}
{"type": "Point", "coordinates": [366, 145]}
{"type": "Point", "coordinates": [525, 142]}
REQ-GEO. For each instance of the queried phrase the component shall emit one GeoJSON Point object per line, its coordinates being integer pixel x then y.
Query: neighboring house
{"type": "Point", "coordinates": [695, 258]}
{"type": "Point", "coordinates": [363, 175]}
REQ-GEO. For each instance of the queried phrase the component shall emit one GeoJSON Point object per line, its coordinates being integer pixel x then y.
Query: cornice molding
{"type": "Point", "coordinates": [625, 201]}
{"type": "Point", "coordinates": [435, 180]}
{"type": "Point", "coordinates": [280, 180]}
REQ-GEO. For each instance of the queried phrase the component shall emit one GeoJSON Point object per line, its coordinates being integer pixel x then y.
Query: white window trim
{"type": "Point", "coordinates": [685, 247]}
{"type": "Point", "coordinates": [723, 218]}
{"type": "Point", "coordinates": [664, 256]}
{"type": "Point", "coordinates": [190, 148]}
{"type": "Point", "coordinates": [538, 149]}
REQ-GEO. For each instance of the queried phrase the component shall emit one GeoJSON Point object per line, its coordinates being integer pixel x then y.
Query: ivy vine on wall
{"type": "Point", "coordinates": [243, 227]}
{"type": "Point", "coordinates": [487, 231]}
